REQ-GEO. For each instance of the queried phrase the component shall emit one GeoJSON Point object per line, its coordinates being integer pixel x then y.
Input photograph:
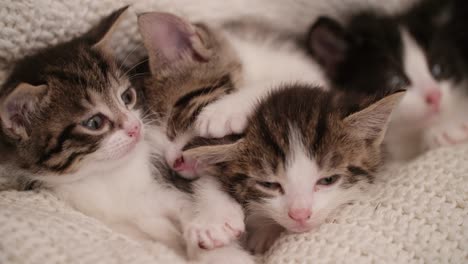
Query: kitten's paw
{"type": "Point", "coordinates": [218, 120]}
{"type": "Point", "coordinates": [209, 231]}
{"type": "Point", "coordinates": [449, 137]}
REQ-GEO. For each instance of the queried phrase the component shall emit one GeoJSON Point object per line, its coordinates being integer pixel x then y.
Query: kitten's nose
{"type": "Point", "coordinates": [433, 99]}
{"type": "Point", "coordinates": [299, 215]}
{"type": "Point", "coordinates": [133, 129]}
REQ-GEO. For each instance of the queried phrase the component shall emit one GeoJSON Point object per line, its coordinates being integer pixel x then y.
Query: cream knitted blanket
{"type": "Point", "coordinates": [418, 213]}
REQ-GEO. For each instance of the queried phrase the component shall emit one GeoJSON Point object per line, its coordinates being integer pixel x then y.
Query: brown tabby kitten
{"type": "Point", "coordinates": [46, 126]}
{"type": "Point", "coordinates": [305, 152]}
{"type": "Point", "coordinates": [191, 66]}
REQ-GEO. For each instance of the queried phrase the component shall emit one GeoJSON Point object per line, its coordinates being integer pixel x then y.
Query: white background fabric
{"type": "Point", "coordinates": [418, 213]}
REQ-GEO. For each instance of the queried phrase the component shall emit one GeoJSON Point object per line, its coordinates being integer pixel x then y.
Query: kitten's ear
{"type": "Point", "coordinates": [207, 158]}
{"type": "Point", "coordinates": [328, 43]}
{"type": "Point", "coordinates": [100, 35]}
{"type": "Point", "coordinates": [169, 38]}
{"type": "Point", "coordinates": [372, 122]}
{"type": "Point", "coordinates": [17, 108]}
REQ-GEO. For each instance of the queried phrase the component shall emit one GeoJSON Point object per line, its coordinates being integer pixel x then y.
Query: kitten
{"type": "Point", "coordinates": [304, 153]}
{"type": "Point", "coordinates": [71, 120]}
{"type": "Point", "coordinates": [192, 66]}
{"type": "Point", "coordinates": [374, 53]}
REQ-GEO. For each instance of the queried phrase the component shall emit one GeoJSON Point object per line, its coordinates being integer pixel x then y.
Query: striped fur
{"type": "Point", "coordinates": [79, 76]}
{"type": "Point", "coordinates": [297, 137]}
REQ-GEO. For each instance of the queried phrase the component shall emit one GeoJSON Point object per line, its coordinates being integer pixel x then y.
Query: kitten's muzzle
{"type": "Point", "coordinates": [133, 129]}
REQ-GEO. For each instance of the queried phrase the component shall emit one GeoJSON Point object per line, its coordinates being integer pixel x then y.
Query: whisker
{"type": "Point", "coordinates": [128, 55]}
{"type": "Point", "coordinates": [131, 77]}
{"type": "Point", "coordinates": [134, 66]}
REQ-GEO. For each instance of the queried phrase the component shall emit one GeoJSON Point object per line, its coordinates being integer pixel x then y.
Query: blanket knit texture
{"type": "Point", "coordinates": [416, 214]}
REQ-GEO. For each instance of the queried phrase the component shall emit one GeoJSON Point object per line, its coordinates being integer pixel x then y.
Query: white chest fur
{"type": "Point", "coordinates": [130, 200]}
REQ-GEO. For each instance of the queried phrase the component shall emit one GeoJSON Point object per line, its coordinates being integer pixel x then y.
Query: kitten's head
{"type": "Point", "coordinates": [377, 53]}
{"type": "Point", "coordinates": [191, 66]}
{"type": "Point", "coordinates": [304, 153]}
{"type": "Point", "coordinates": [69, 109]}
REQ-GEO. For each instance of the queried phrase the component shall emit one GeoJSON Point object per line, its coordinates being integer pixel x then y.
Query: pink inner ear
{"type": "Point", "coordinates": [181, 164]}
{"type": "Point", "coordinates": [166, 35]}
{"type": "Point", "coordinates": [17, 111]}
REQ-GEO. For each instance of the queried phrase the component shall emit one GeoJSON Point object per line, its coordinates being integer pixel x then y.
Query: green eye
{"type": "Point", "coordinates": [270, 185]}
{"type": "Point", "coordinates": [328, 180]}
{"type": "Point", "coordinates": [129, 96]}
{"type": "Point", "coordinates": [436, 70]}
{"type": "Point", "coordinates": [397, 81]}
{"type": "Point", "coordinates": [94, 123]}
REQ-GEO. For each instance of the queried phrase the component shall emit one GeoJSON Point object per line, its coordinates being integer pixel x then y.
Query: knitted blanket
{"type": "Point", "coordinates": [418, 213]}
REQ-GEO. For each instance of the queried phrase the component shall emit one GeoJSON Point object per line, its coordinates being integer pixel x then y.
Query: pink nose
{"type": "Point", "coordinates": [433, 98]}
{"type": "Point", "coordinates": [133, 130]}
{"type": "Point", "coordinates": [299, 215]}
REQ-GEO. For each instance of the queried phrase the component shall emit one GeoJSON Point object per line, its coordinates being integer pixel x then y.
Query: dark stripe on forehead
{"type": "Point", "coordinates": [224, 82]}
{"type": "Point", "coordinates": [266, 134]}
{"type": "Point", "coordinates": [70, 77]}
{"type": "Point", "coordinates": [100, 62]}
{"type": "Point", "coordinates": [321, 127]}
{"type": "Point", "coordinates": [59, 145]}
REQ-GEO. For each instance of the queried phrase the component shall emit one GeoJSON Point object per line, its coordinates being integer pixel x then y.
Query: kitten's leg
{"type": "Point", "coordinates": [218, 219]}
{"type": "Point", "coordinates": [229, 114]}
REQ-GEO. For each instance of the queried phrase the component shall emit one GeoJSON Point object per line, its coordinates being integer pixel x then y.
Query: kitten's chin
{"type": "Point", "coordinates": [122, 153]}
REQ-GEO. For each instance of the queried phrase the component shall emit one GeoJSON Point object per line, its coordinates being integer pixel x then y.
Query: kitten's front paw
{"type": "Point", "coordinates": [221, 119]}
{"type": "Point", "coordinates": [209, 231]}
{"type": "Point", "coordinates": [449, 137]}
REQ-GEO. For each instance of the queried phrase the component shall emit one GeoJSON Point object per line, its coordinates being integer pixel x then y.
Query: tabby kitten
{"type": "Point", "coordinates": [70, 120]}
{"type": "Point", "coordinates": [305, 152]}
{"type": "Point", "coordinates": [191, 66]}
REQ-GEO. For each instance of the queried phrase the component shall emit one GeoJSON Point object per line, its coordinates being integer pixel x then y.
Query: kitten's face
{"type": "Point", "coordinates": [69, 109]}
{"type": "Point", "coordinates": [300, 161]}
{"type": "Point", "coordinates": [379, 53]}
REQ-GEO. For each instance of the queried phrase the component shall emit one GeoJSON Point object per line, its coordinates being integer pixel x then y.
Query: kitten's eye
{"type": "Point", "coordinates": [398, 81]}
{"type": "Point", "coordinates": [94, 123]}
{"type": "Point", "coordinates": [270, 185]}
{"type": "Point", "coordinates": [129, 96]}
{"type": "Point", "coordinates": [328, 180]}
{"type": "Point", "coordinates": [436, 70]}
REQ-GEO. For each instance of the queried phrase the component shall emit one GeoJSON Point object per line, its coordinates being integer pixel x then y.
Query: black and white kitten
{"type": "Point", "coordinates": [420, 50]}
